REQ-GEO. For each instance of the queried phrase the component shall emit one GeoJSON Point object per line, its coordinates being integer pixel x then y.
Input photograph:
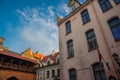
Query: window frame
{"type": "Point", "coordinates": [48, 74]}
{"type": "Point", "coordinates": [72, 74]}
{"type": "Point", "coordinates": [70, 46]}
{"type": "Point", "coordinates": [116, 2]}
{"type": "Point", "coordinates": [105, 5]}
{"type": "Point", "coordinates": [93, 40]}
{"type": "Point", "coordinates": [85, 14]}
{"type": "Point", "coordinates": [68, 27]}
{"type": "Point", "coordinates": [99, 70]}
{"type": "Point", "coordinates": [53, 73]}
{"type": "Point", "coordinates": [112, 27]}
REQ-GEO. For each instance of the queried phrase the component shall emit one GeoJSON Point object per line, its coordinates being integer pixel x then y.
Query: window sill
{"type": "Point", "coordinates": [117, 3]}
{"type": "Point", "coordinates": [92, 49]}
{"type": "Point", "coordinates": [86, 22]}
{"type": "Point", "coordinates": [70, 57]}
{"type": "Point", "coordinates": [117, 40]}
{"type": "Point", "coordinates": [107, 9]}
{"type": "Point", "coordinates": [67, 33]}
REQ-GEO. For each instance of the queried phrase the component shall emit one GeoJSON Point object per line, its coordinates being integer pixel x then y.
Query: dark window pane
{"type": "Point", "coordinates": [72, 74]}
{"type": "Point", "coordinates": [70, 48]}
{"type": "Point", "coordinates": [85, 16]}
{"type": "Point", "coordinates": [99, 72]}
{"type": "Point", "coordinates": [68, 27]}
{"type": "Point", "coordinates": [115, 27]}
{"type": "Point", "coordinates": [117, 1]}
{"type": "Point", "coordinates": [105, 4]}
{"type": "Point", "coordinates": [91, 38]}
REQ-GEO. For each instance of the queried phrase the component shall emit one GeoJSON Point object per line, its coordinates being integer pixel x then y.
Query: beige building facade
{"type": "Point", "coordinates": [89, 41]}
{"type": "Point", "coordinates": [49, 67]}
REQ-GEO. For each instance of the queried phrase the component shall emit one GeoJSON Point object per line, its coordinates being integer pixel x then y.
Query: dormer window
{"type": "Point", "coordinates": [73, 7]}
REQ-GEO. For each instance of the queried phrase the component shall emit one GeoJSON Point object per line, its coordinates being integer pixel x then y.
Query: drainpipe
{"type": "Point", "coordinates": [103, 35]}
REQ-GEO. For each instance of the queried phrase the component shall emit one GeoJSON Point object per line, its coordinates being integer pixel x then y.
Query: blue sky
{"type": "Point", "coordinates": [31, 23]}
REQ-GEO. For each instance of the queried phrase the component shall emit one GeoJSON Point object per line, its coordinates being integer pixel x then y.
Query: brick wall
{"type": "Point", "coordinates": [5, 74]}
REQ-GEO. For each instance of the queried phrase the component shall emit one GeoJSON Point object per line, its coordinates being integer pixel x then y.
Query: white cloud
{"type": "Point", "coordinates": [40, 32]}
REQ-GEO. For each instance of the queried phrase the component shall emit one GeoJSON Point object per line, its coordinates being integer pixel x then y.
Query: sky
{"type": "Point", "coordinates": [31, 24]}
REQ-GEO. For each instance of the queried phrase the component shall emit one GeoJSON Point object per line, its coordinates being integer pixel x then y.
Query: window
{"type": "Point", "coordinates": [70, 48]}
{"type": "Point", "coordinates": [72, 74]}
{"type": "Point", "coordinates": [57, 60]}
{"type": "Point", "coordinates": [73, 7]}
{"type": "Point", "coordinates": [91, 38]}
{"type": "Point", "coordinates": [58, 72]}
{"type": "Point", "coordinates": [48, 62]}
{"type": "Point", "coordinates": [68, 27]}
{"type": "Point", "coordinates": [105, 5]}
{"type": "Point", "coordinates": [85, 16]}
{"type": "Point", "coordinates": [47, 74]}
{"type": "Point", "coordinates": [117, 1]}
{"type": "Point", "coordinates": [53, 73]}
{"type": "Point", "coordinates": [114, 24]}
{"type": "Point", "coordinates": [99, 72]}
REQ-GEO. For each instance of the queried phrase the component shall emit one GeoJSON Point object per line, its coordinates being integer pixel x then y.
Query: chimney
{"type": "Point", "coordinates": [1, 43]}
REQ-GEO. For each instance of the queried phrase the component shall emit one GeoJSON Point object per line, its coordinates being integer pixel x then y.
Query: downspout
{"type": "Point", "coordinates": [103, 35]}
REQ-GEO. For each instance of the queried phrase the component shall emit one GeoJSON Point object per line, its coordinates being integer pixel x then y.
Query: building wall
{"type": "Point", "coordinates": [5, 74]}
{"type": "Point", "coordinates": [83, 59]}
{"type": "Point", "coordinates": [42, 72]}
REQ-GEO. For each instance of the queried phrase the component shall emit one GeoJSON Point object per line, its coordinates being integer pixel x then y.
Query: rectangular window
{"type": "Point", "coordinates": [85, 16]}
{"type": "Point", "coordinates": [105, 5]}
{"type": "Point", "coordinates": [70, 48]}
{"type": "Point", "coordinates": [68, 27]}
{"type": "Point", "coordinates": [47, 74]}
{"type": "Point", "coordinates": [91, 38]}
{"type": "Point", "coordinates": [53, 73]}
{"type": "Point", "coordinates": [72, 74]}
{"type": "Point", "coordinates": [117, 1]}
{"type": "Point", "coordinates": [58, 72]}
{"type": "Point", "coordinates": [114, 24]}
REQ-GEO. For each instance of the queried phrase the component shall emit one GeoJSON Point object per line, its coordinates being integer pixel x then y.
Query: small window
{"type": "Point", "coordinates": [72, 74]}
{"type": "Point", "coordinates": [91, 38]}
{"type": "Point", "coordinates": [70, 48]}
{"type": "Point", "coordinates": [48, 62]}
{"type": "Point", "coordinates": [68, 27]}
{"type": "Point", "coordinates": [117, 1]}
{"type": "Point", "coordinates": [53, 73]}
{"type": "Point", "coordinates": [105, 5]}
{"type": "Point", "coordinates": [114, 24]}
{"type": "Point", "coordinates": [73, 7]}
{"type": "Point", "coordinates": [85, 16]}
{"type": "Point", "coordinates": [48, 74]}
{"type": "Point", "coordinates": [99, 72]}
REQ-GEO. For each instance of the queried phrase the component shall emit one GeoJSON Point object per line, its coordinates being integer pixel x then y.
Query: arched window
{"type": "Point", "coordinates": [72, 74]}
{"type": "Point", "coordinates": [114, 24]}
{"type": "Point", "coordinates": [91, 38]}
{"type": "Point", "coordinates": [99, 72]}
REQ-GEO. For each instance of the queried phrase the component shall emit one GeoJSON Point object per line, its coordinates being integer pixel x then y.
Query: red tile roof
{"type": "Point", "coordinates": [15, 55]}
{"type": "Point", "coordinates": [51, 56]}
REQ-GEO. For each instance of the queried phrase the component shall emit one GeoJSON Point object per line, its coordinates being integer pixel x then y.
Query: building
{"type": "Point", "coordinates": [13, 66]}
{"type": "Point", "coordinates": [49, 68]}
{"type": "Point", "coordinates": [89, 40]}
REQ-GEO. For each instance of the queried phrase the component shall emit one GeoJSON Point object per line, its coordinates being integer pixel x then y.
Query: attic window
{"type": "Point", "coordinates": [73, 7]}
